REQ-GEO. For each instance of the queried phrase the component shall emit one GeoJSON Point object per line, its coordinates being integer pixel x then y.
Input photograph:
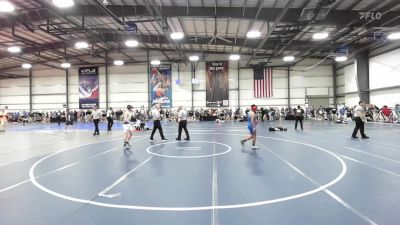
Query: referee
{"type": "Point", "coordinates": [155, 112]}
{"type": "Point", "coordinates": [182, 119]}
{"type": "Point", "coordinates": [359, 118]}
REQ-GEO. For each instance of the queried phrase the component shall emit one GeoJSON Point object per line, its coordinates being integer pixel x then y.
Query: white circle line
{"type": "Point", "coordinates": [196, 208]}
{"type": "Point", "coordinates": [229, 148]}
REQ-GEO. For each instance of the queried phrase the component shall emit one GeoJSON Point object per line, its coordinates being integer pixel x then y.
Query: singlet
{"type": "Point", "coordinates": [249, 124]}
{"type": "Point", "coordinates": [127, 116]}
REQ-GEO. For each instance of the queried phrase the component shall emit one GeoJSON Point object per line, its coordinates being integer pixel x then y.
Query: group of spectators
{"type": "Point", "coordinates": [339, 114]}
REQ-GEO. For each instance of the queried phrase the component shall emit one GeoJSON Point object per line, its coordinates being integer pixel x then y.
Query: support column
{"type": "Point", "coordinates": [362, 73]}
{"type": "Point", "coordinates": [67, 88]}
{"type": "Point", "coordinates": [148, 80]}
{"type": "Point", "coordinates": [288, 84]}
{"type": "Point", "coordinates": [107, 78]}
{"type": "Point", "coordinates": [238, 77]}
{"type": "Point", "coordinates": [334, 76]}
{"type": "Point", "coordinates": [30, 90]}
{"type": "Point", "coordinates": [193, 75]}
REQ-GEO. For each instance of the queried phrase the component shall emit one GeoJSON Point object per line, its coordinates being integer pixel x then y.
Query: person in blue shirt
{"type": "Point", "coordinates": [251, 125]}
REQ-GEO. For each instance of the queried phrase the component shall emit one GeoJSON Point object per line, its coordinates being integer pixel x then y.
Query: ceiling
{"type": "Point", "coordinates": [47, 34]}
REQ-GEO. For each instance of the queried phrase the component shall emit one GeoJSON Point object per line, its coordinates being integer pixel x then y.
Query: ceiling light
{"type": "Point", "coordinates": [131, 43]}
{"type": "Point", "coordinates": [14, 49]}
{"type": "Point", "coordinates": [65, 65]}
{"type": "Point", "coordinates": [63, 3]}
{"type": "Point", "coordinates": [253, 34]}
{"type": "Point", "coordinates": [81, 44]}
{"type": "Point", "coordinates": [320, 36]}
{"type": "Point", "coordinates": [118, 62]}
{"type": "Point", "coordinates": [340, 58]}
{"type": "Point", "coordinates": [177, 35]}
{"type": "Point", "coordinates": [155, 62]}
{"type": "Point", "coordinates": [26, 66]}
{"type": "Point", "coordinates": [234, 57]}
{"type": "Point", "coordinates": [288, 58]}
{"type": "Point", "coordinates": [394, 36]}
{"type": "Point", "coordinates": [194, 58]}
{"type": "Point", "coordinates": [6, 6]}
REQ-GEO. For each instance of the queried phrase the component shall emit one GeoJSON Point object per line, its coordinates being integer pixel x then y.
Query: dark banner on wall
{"type": "Point", "coordinates": [217, 90]}
{"type": "Point", "coordinates": [88, 87]}
{"type": "Point", "coordinates": [160, 85]}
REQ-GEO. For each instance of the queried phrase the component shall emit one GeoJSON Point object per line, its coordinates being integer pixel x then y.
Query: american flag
{"type": "Point", "coordinates": [263, 82]}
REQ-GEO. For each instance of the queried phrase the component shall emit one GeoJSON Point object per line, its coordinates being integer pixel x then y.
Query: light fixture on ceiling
{"type": "Point", "coordinates": [155, 62]}
{"type": "Point", "coordinates": [194, 58]}
{"type": "Point", "coordinates": [118, 62]}
{"type": "Point", "coordinates": [288, 58]}
{"type": "Point", "coordinates": [81, 44]}
{"type": "Point", "coordinates": [177, 35]}
{"type": "Point", "coordinates": [65, 65]}
{"type": "Point", "coordinates": [320, 35]}
{"type": "Point", "coordinates": [394, 36]}
{"type": "Point", "coordinates": [131, 43]}
{"type": "Point", "coordinates": [253, 34]}
{"type": "Point", "coordinates": [14, 49]}
{"type": "Point", "coordinates": [234, 57]}
{"type": "Point", "coordinates": [26, 66]}
{"type": "Point", "coordinates": [63, 3]}
{"type": "Point", "coordinates": [341, 58]}
{"type": "Point", "coordinates": [6, 7]}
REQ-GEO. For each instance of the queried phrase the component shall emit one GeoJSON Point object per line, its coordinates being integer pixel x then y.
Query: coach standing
{"type": "Point", "coordinates": [299, 112]}
{"type": "Point", "coordinates": [110, 120]}
{"type": "Point", "coordinates": [359, 118]}
{"type": "Point", "coordinates": [155, 112]}
{"type": "Point", "coordinates": [96, 116]}
{"type": "Point", "coordinates": [182, 119]}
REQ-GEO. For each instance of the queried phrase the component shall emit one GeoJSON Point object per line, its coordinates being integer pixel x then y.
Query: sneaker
{"type": "Point", "coordinates": [129, 145]}
{"type": "Point", "coordinates": [164, 139]}
{"type": "Point", "coordinates": [254, 147]}
{"type": "Point", "coordinates": [178, 139]}
{"type": "Point", "coordinates": [365, 137]}
{"type": "Point", "coordinates": [187, 139]}
{"type": "Point", "coordinates": [151, 139]}
{"type": "Point", "coordinates": [242, 143]}
{"type": "Point", "coordinates": [354, 137]}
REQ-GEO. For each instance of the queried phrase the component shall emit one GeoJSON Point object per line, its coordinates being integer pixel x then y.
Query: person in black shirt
{"type": "Point", "coordinates": [299, 117]}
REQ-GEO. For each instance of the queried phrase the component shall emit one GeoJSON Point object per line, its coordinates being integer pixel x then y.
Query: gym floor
{"type": "Point", "coordinates": [316, 176]}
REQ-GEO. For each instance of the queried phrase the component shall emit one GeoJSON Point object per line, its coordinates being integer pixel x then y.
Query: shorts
{"type": "Point", "coordinates": [127, 127]}
{"type": "Point", "coordinates": [250, 127]}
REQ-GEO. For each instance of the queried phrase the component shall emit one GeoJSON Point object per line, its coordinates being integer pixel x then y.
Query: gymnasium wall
{"type": "Point", "coordinates": [384, 78]}
{"type": "Point", "coordinates": [346, 85]}
{"type": "Point", "coordinates": [128, 85]}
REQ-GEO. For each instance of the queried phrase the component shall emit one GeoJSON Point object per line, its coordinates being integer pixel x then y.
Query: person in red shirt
{"type": "Point", "coordinates": [387, 113]}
